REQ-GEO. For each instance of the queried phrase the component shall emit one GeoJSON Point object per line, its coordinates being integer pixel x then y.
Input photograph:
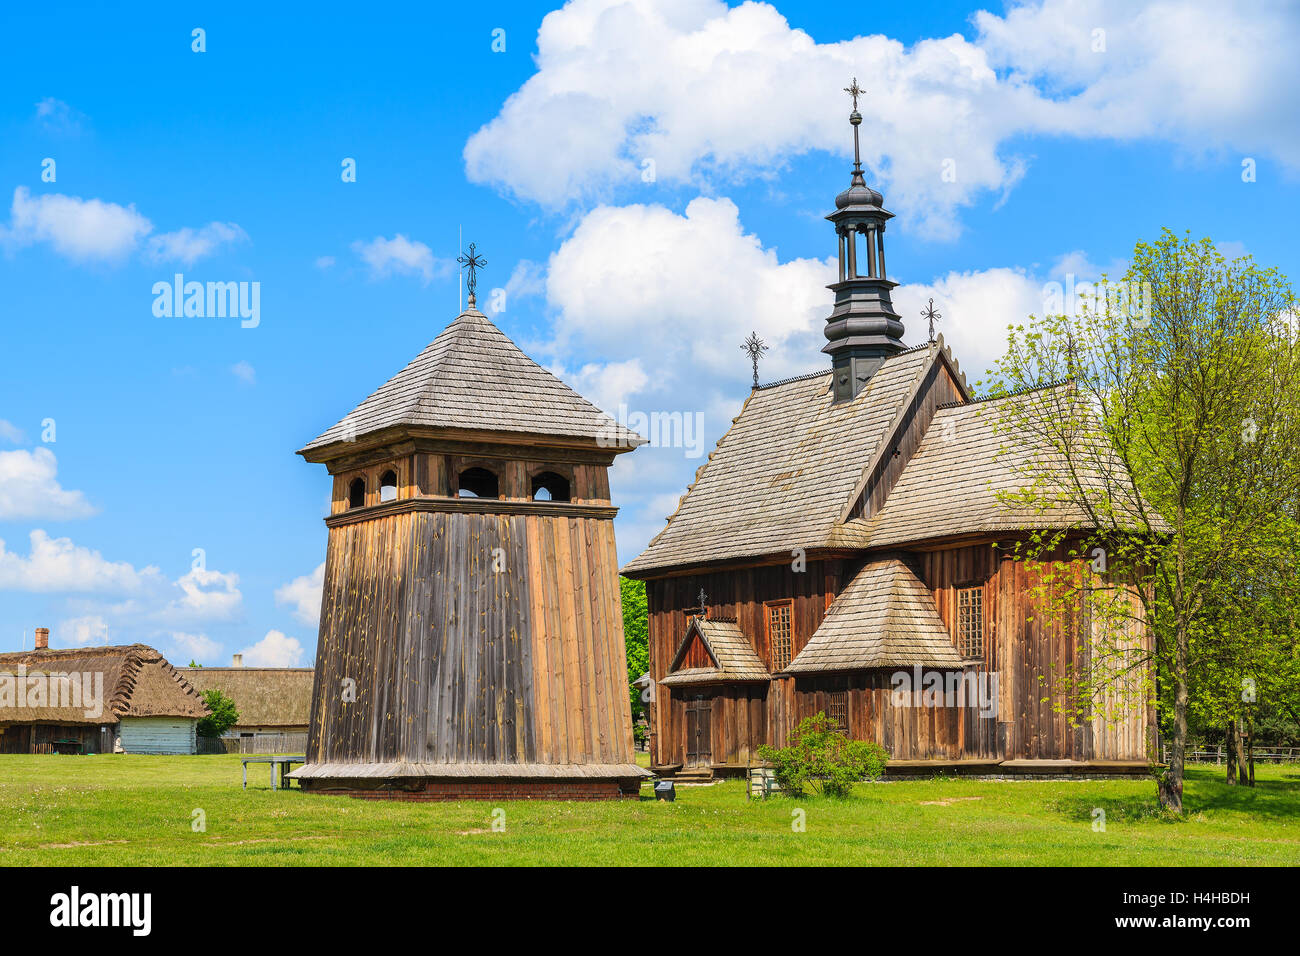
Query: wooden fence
{"type": "Point", "coordinates": [1219, 754]}
{"type": "Point", "coordinates": [291, 743]}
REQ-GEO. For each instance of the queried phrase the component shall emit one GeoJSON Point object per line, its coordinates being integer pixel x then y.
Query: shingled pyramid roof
{"type": "Point", "coordinates": [885, 618]}
{"type": "Point", "coordinates": [473, 378]}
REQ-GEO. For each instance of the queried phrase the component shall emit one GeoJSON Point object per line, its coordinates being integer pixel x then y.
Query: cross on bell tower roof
{"type": "Point", "coordinates": [471, 261]}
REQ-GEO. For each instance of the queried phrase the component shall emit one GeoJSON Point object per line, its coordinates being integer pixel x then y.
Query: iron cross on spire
{"type": "Point", "coordinates": [471, 260]}
{"type": "Point", "coordinates": [929, 313]}
{"type": "Point", "coordinates": [755, 347]}
{"type": "Point", "coordinates": [855, 118]}
{"type": "Point", "coordinates": [703, 610]}
{"type": "Point", "coordinates": [855, 91]}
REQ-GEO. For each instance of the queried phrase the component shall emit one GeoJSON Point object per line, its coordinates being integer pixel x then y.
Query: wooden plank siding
{"type": "Point", "coordinates": [1024, 656]}
{"type": "Point", "coordinates": [471, 638]}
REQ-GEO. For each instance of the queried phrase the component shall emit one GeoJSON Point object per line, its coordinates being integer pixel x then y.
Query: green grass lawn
{"type": "Point", "coordinates": [137, 810]}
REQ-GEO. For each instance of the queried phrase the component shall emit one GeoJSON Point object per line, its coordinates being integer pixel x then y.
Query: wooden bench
{"type": "Point", "coordinates": [285, 763]}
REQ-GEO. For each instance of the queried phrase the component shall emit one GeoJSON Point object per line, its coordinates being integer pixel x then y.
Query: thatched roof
{"type": "Point", "coordinates": [731, 651]}
{"type": "Point", "coordinates": [884, 618]}
{"type": "Point", "coordinates": [136, 681]}
{"type": "Point", "coordinates": [472, 377]}
{"type": "Point", "coordinates": [263, 696]}
{"type": "Point", "coordinates": [781, 476]}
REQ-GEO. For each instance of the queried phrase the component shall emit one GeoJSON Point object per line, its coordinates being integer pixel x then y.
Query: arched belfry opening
{"type": "Point", "coordinates": [478, 482]}
{"type": "Point", "coordinates": [356, 493]}
{"type": "Point", "coordinates": [388, 486]}
{"type": "Point", "coordinates": [550, 486]}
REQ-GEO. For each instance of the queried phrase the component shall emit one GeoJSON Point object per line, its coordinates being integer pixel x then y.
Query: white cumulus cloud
{"type": "Point", "coordinates": [81, 229]}
{"type": "Point", "coordinates": [56, 564]}
{"type": "Point", "coordinates": [400, 256]}
{"type": "Point", "coordinates": [276, 649]}
{"type": "Point", "coordinates": [705, 93]}
{"type": "Point", "coordinates": [188, 245]}
{"type": "Point", "coordinates": [94, 230]}
{"type": "Point", "coordinates": [29, 488]}
{"type": "Point", "coordinates": [303, 594]}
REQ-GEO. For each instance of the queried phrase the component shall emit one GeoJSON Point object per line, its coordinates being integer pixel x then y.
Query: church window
{"type": "Point", "coordinates": [837, 709]}
{"type": "Point", "coordinates": [357, 493]}
{"type": "Point", "coordinates": [779, 633]}
{"type": "Point", "coordinates": [388, 485]}
{"type": "Point", "coordinates": [970, 622]}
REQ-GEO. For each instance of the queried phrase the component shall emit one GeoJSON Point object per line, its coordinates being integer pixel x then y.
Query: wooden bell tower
{"type": "Point", "coordinates": [471, 636]}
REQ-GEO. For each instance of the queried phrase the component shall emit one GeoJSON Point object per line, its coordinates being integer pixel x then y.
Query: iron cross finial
{"type": "Point", "coordinates": [929, 313]}
{"type": "Point", "coordinates": [702, 596]}
{"type": "Point", "coordinates": [855, 91]}
{"type": "Point", "coordinates": [471, 260]}
{"type": "Point", "coordinates": [755, 347]}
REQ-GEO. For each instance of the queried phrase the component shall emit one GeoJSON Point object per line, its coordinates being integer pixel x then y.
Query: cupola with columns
{"type": "Point", "coordinates": [863, 329]}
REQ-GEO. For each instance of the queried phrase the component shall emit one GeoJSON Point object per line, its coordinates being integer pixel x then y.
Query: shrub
{"type": "Point", "coordinates": [823, 759]}
{"type": "Point", "coordinates": [221, 714]}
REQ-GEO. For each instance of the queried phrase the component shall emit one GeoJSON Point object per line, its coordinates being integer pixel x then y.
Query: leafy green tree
{"type": "Point", "coordinates": [222, 714]}
{"type": "Point", "coordinates": [636, 627]}
{"type": "Point", "coordinates": [822, 758]}
{"type": "Point", "coordinates": [1174, 453]}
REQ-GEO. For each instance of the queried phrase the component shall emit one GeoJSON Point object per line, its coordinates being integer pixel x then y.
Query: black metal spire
{"type": "Point", "coordinates": [863, 329]}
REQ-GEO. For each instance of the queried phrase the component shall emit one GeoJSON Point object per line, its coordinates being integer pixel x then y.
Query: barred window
{"type": "Point", "coordinates": [778, 633]}
{"type": "Point", "coordinates": [837, 708]}
{"type": "Point", "coordinates": [970, 622]}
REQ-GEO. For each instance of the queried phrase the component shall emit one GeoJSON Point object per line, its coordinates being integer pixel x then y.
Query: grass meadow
{"type": "Point", "coordinates": [130, 810]}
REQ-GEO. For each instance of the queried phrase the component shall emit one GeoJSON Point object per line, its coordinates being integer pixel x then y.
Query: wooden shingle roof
{"type": "Point", "coordinates": [137, 681]}
{"type": "Point", "coordinates": [263, 696]}
{"type": "Point", "coordinates": [781, 475]}
{"type": "Point", "coordinates": [970, 459]}
{"type": "Point", "coordinates": [727, 645]}
{"type": "Point", "coordinates": [884, 618]}
{"type": "Point", "coordinates": [473, 377]}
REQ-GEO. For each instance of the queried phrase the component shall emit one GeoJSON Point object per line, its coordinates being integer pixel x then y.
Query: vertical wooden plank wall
{"type": "Point", "coordinates": [471, 638]}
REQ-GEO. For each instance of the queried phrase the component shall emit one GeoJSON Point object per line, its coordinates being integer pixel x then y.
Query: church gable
{"type": "Point", "coordinates": [780, 477]}
{"type": "Point", "coordinates": [714, 651]}
{"type": "Point", "coordinates": [942, 384]}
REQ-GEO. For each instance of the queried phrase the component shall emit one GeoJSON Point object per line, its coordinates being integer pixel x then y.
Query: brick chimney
{"type": "Point", "coordinates": [237, 660]}
{"type": "Point", "coordinates": [42, 638]}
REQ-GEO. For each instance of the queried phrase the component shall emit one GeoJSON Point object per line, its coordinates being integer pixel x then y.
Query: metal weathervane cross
{"type": "Point", "coordinates": [471, 260]}
{"type": "Point", "coordinates": [755, 347]}
{"type": "Point", "coordinates": [702, 608]}
{"type": "Point", "coordinates": [855, 91]}
{"type": "Point", "coordinates": [929, 313]}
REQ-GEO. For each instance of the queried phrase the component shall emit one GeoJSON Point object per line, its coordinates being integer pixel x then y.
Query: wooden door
{"type": "Point", "coordinates": [699, 718]}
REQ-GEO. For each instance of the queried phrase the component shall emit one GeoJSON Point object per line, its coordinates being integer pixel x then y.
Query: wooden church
{"type": "Point", "coordinates": [471, 634]}
{"type": "Point", "coordinates": [845, 546]}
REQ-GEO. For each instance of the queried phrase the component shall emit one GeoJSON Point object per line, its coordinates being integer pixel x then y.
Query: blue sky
{"type": "Point", "coordinates": [1066, 145]}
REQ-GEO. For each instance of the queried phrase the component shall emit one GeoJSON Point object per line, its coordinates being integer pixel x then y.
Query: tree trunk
{"type": "Point", "coordinates": [1250, 745]}
{"type": "Point", "coordinates": [1232, 749]}
{"type": "Point", "coordinates": [1171, 784]}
